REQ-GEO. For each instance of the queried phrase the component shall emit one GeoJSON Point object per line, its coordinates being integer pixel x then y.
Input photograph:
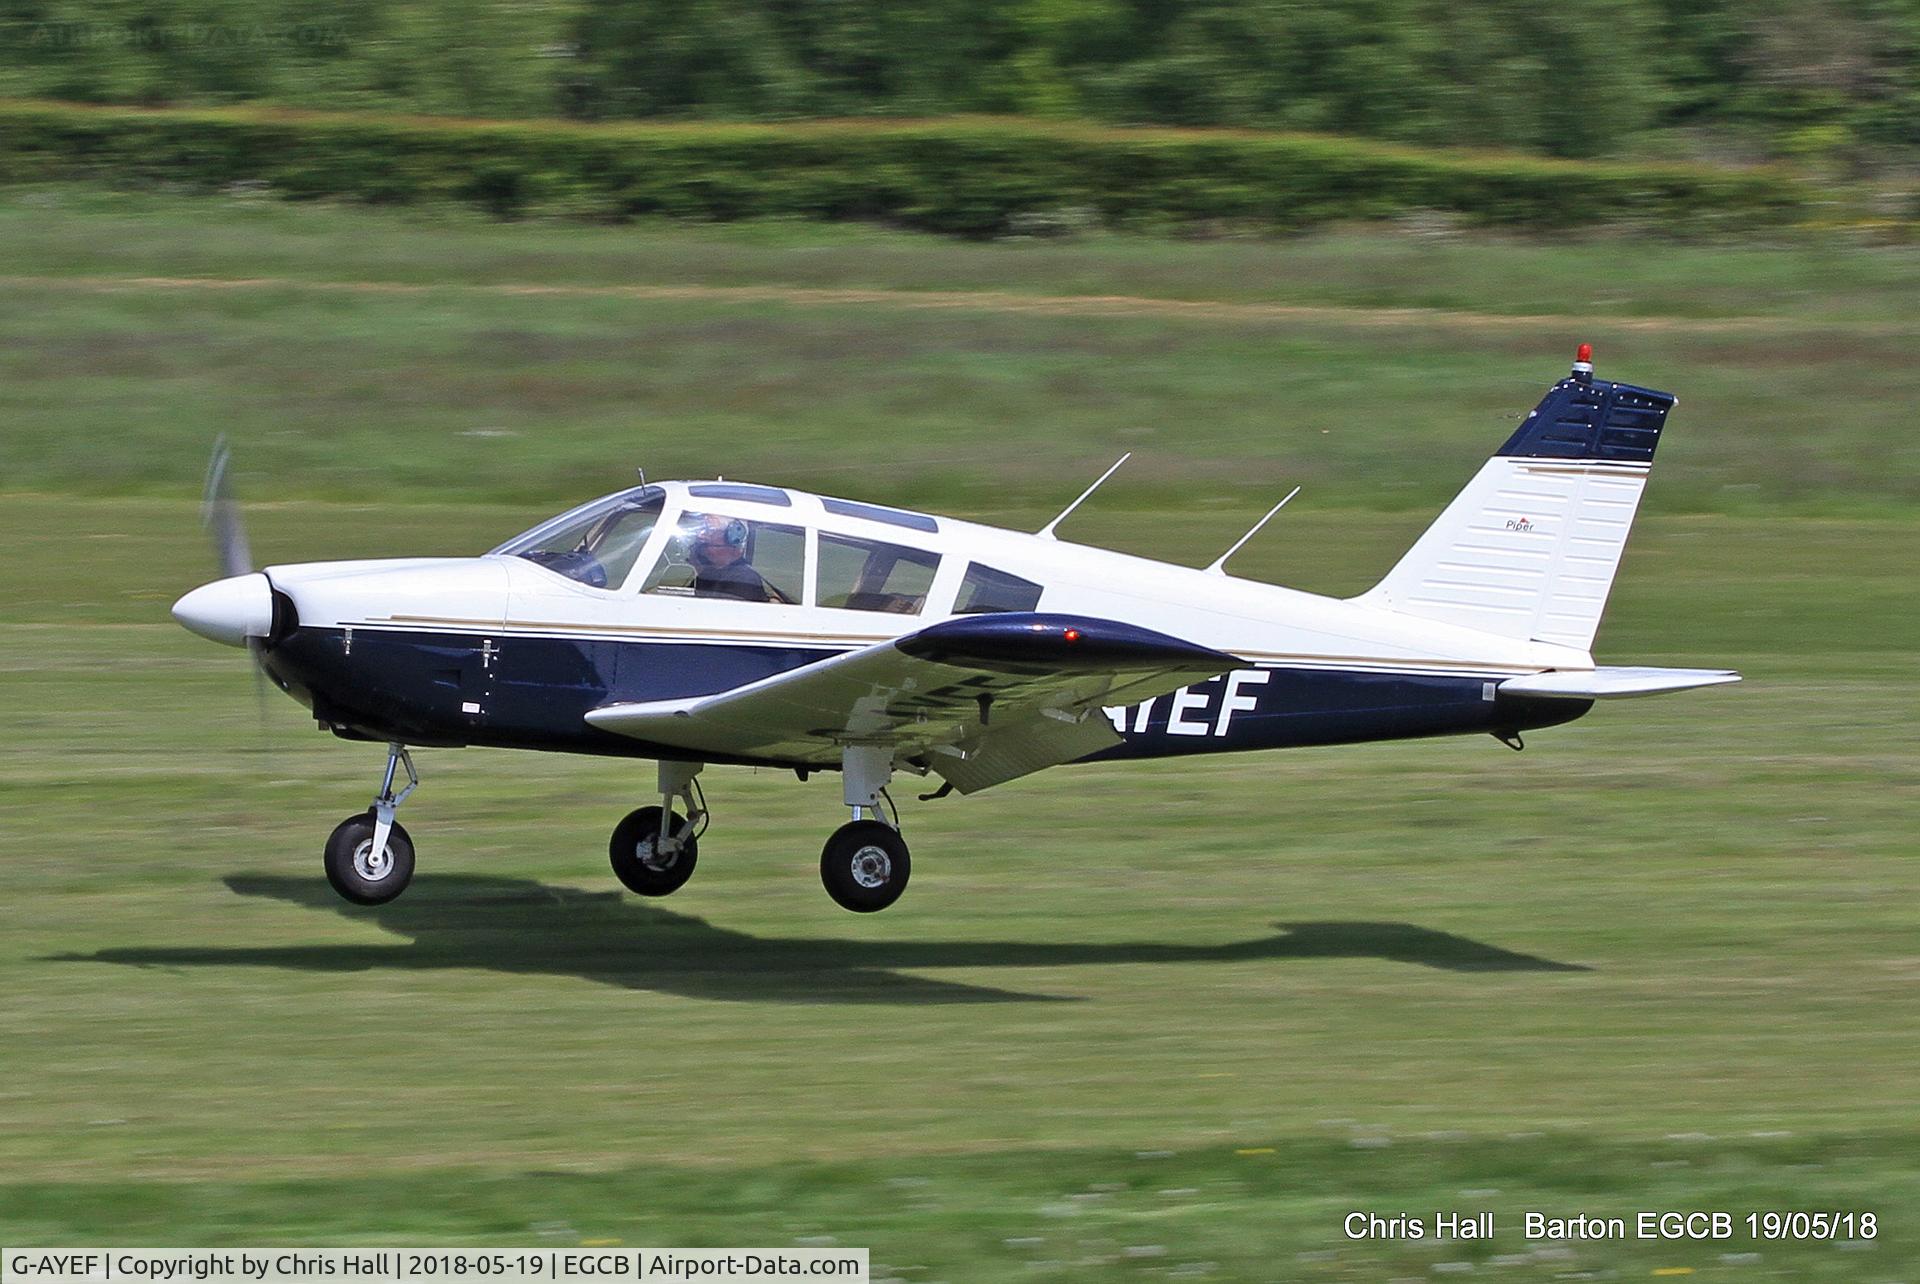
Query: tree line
{"type": "Point", "coordinates": [1729, 78]}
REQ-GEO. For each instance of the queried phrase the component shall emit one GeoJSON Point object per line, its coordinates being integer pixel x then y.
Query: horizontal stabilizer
{"type": "Point", "coordinates": [1613, 683]}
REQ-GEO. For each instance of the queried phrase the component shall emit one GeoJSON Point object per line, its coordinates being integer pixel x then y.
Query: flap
{"type": "Point", "coordinates": [1024, 748]}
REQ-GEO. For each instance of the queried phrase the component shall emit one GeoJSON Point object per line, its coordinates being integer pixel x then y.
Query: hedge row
{"type": "Point", "coordinates": [970, 176]}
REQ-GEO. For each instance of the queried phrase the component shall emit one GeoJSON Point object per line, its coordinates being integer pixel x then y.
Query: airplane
{"type": "Point", "coordinates": [727, 622]}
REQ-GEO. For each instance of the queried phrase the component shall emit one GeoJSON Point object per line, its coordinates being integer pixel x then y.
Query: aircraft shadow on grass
{"type": "Point", "coordinates": [524, 927]}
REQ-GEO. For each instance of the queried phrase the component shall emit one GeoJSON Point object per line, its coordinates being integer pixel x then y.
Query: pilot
{"type": "Point", "coordinates": [720, 566]}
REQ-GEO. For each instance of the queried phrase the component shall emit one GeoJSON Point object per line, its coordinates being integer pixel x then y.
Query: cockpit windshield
{"type": "Point", "coordinates": [597, 543]}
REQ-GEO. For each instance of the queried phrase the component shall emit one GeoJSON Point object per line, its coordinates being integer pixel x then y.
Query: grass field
{"type": "Point", "coordinates": [1158, 1021]}
{"type": "Point", "coordinates": [1793, 364]}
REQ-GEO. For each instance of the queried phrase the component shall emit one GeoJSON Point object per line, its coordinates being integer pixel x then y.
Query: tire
{"type": "Point", "coordinates": [865, 866]}
{"type": "Point", "coordinates": [631, 848]}
{"type": "Point", "coordinates": [352, 870]}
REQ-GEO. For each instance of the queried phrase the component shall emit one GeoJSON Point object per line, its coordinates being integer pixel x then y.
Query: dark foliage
{"type": "Point", "coordinates": [971, 177]}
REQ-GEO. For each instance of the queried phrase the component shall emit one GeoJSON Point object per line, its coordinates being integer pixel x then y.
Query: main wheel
{"type": "Point", "coordinates": [362, 875]}
{"type": "Point", "coordinates": [864, 866]}
{"type": "Point", "coordinates": [638, 861]}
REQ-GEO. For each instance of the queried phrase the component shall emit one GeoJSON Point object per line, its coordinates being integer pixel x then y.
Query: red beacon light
{"type": "Point", "coordinates": [1583, 363]}
{"type": "Point", "coordinates": [1071, 635]}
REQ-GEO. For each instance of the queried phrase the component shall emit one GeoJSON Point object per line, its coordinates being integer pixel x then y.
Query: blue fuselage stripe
{"type": "Point", "coordinates": [530, 692]}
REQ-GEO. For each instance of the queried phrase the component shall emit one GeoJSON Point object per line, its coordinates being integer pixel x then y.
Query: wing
{"type": "Point", "coordinates": [980, 699]}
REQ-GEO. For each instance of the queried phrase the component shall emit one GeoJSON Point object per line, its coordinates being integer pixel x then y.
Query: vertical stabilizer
{"type": "Point", "coordinates": [1529, 549]}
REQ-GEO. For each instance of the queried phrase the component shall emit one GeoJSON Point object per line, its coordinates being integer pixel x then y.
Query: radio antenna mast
{"type": "Point", "coordinates": [1046, 532]}
{"type": "Point", "coordinates": [1219, 563]}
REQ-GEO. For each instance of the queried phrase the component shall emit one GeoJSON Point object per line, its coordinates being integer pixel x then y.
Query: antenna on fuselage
{"type": "Point", "coordinates": [1220, 563]}
{"type": "Point", "coordinates": [1046, 532]}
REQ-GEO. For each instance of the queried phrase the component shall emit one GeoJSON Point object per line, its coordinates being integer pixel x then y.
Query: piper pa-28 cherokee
{"type": "Point", "coordinates": [722, 622]}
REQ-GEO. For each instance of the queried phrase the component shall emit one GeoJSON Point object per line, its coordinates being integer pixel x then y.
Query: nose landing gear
{"type": "Point", "coordinates": [369, 856]}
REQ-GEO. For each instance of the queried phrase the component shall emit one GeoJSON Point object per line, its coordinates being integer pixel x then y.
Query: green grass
{"type": "Point", "coordinates": [343, 394]}
{"type": "Point", "coordinates": [1663, 959]}
{"type": "Point", "coordinates": [77, 230]}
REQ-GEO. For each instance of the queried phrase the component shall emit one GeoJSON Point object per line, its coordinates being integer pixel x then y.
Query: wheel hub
{"type": "Point", "coordinates": [370, 865]}
{"type": "Point", "coordinates": [650, 855]}
{"type": "Point", "coordinates": [872, 867]}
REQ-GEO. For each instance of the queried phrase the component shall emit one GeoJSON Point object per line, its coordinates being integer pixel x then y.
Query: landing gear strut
{"type": "Point", "coordinates": [865, 865]}
{"type": "Point", "coordinates": [654, 858]}
{"type": "Point", "coordinates": [369, 856]}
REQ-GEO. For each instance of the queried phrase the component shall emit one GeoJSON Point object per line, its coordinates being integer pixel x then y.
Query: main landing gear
{"type": "Point", "coordinates": [864, 865]}
{"type": "Point", "coordinates": [369, 856]}
{"type": "Point", "coordinates": [655, 858]}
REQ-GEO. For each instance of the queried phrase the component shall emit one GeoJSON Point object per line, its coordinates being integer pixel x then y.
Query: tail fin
{"type": "Point", "coordinates": [1529, 549]}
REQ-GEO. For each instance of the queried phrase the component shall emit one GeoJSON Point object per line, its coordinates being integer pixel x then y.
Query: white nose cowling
{"type": "Point", "coordinates": [230, 610]}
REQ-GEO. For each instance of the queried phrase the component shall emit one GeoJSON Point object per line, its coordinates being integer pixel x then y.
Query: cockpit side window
{"type": "Point", "coordinates": [985, 590]}
{"type": "Point", "coordinates": [713, 555]}
{"type": "Point", "coordinates": [868, 575]}
{"type": "Point", "coordinates": [595, 544]}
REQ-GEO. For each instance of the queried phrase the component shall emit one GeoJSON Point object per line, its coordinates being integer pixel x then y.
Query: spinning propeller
{"type": "Point", "coordinates": [220, 514]}
{"type": "Point", "coordinates": [237, 609]}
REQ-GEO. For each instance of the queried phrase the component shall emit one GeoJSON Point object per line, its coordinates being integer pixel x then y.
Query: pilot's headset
{"type": "Point", "coordinates": [733, 534]}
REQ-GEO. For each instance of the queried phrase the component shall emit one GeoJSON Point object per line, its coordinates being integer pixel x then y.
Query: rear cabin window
{"type": "Point", "coordinates": [985, 591]}
{"type": "Point", "coordinates": [868, 575]}
{"type": "Point", "coordinates": [712, 555]}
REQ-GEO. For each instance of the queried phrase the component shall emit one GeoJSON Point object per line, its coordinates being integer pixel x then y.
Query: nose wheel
{"type": "Point", "coordinates": [865, 866]}
{"type": "Point", "coordinates": [369, 855]}
{"type": "Point", "coordinates": [360, 873]}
